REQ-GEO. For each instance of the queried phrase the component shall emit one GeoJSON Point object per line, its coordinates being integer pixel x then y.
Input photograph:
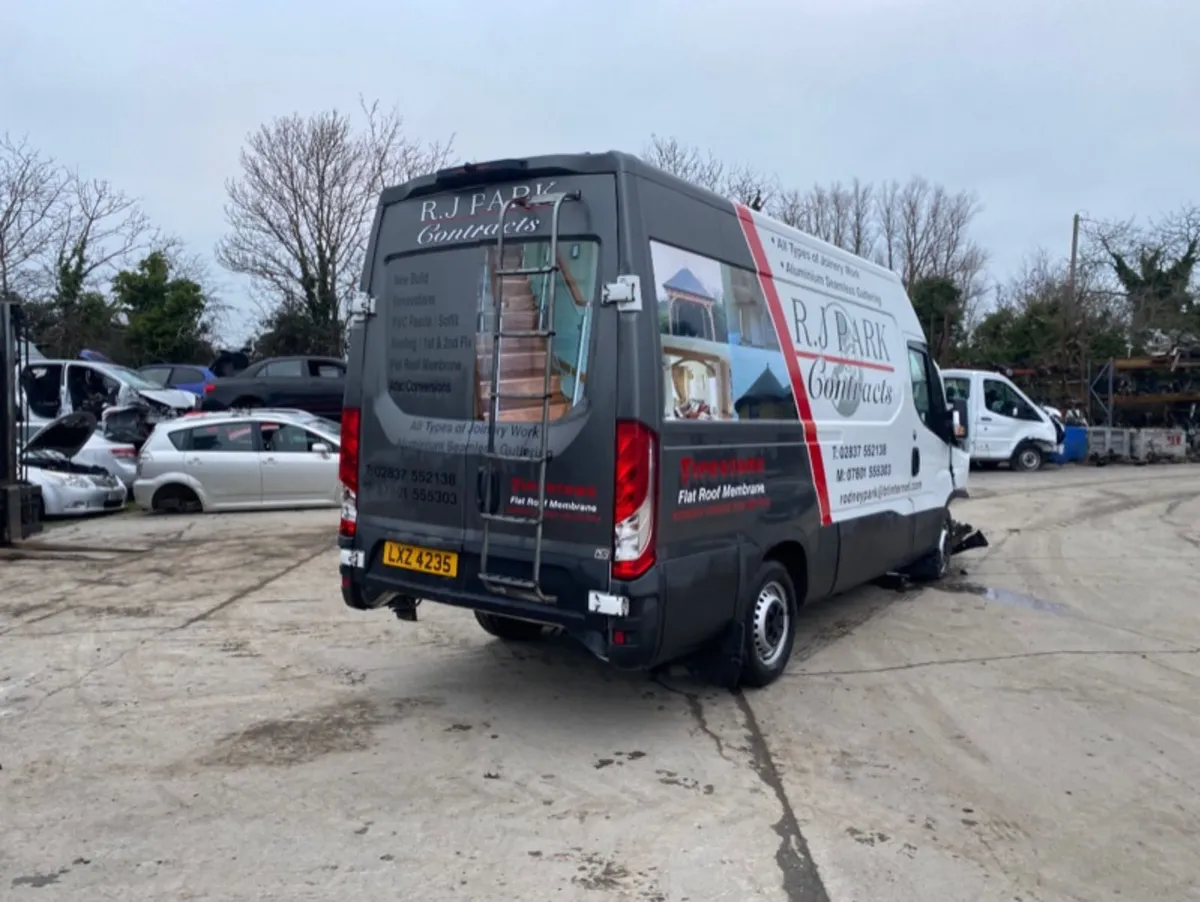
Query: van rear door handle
{"type": "Point", "coordinates": [487, 474]}
{"type": "Point", "coordinates": [985, 419]}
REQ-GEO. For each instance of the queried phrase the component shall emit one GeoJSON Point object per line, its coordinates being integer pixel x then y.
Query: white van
{"type": "Point", "coordinates": [583, 393]}
{"type": "Point", "coordinates": [1005, 425]}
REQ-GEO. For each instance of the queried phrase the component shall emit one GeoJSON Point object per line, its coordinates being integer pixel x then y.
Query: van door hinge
{"type": "Point", "coordinates": [625, 293]}
{"type": "Point", "coordinates": [362, 306]}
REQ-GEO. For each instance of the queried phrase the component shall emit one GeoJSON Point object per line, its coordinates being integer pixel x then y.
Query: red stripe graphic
{"type": "Point", "coordinates": [767, 280]}
{"type": "Point", "coordinates": [847, 361]}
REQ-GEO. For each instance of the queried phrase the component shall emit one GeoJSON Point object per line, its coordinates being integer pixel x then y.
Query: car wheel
{"type": "Point", "coordinates": [509, 628]}
{"type": "Point", "coordinates": [177, 499]}
{"type": "Point", "coordinates": [770, 626]}
{"type": "Point", "coordinates": [1027, 458]}
{"type": "Point", "coordinates": [935, 564]}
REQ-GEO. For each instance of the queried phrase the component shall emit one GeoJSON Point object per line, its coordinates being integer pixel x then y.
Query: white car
{"type": "Point", "coordinates": [240, 460]}
{"type": "Point", "coordinates": [119, 458]}
{"type": "Point", "coordinates": [128, 403]}
{"type": "Point", "coordinates": [69, 488]}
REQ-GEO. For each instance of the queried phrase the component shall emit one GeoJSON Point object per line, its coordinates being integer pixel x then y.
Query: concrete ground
{"type": "Point", "coordinates": [187, 711]}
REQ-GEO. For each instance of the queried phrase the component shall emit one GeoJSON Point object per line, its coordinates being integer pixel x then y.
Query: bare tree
{"type": "Point", "coordinates": [924, 232]}
{"type": "Point", "coordinates": [32, 187]}
{"type": "Point", "coordinates": [685, 161]}
{"type": "Point", "coordinates": [843, 215]}
{"type": "Point", "coordinates": [300, 214]}
{"type": "Point", "coordinates": [740, 183]}
{"type": "Point", "coordinates": [99, 230]}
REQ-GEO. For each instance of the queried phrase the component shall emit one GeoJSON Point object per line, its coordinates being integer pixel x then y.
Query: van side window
{"type": "Point", "coordinates": [721, 357]}
{"type": "Point", "coordinates": [999, 398]}
{"type": "Point", "coordinates": [957, 388]}
{"type": "Point", "coordinates": [922, 394]}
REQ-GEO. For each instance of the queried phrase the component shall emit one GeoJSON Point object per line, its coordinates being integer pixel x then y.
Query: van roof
{"type": "Point", "coordinates": [458, 178]}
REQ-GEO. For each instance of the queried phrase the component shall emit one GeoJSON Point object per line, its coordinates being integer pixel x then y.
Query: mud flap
{"type": "Point", "coordinates": [720, 664]}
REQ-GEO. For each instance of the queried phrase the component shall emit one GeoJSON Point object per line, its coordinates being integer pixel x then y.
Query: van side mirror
{"type": "Point", "coordinates": [321, 448]}
{"type": "Point", "coordinates": [960, 422]}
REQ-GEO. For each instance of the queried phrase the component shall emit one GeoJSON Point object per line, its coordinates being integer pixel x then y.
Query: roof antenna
{"type": "Point", "coordinates": [757, 204]}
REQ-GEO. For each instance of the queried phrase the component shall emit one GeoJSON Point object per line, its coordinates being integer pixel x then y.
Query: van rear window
{"type": "Point", "coordinates": [439, 313]}
{"type": "Point", "coordinates": [721, 358]}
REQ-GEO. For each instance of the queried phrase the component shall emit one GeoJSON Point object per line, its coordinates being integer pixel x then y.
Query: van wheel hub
{"type": "Point", "coordinates": [1028, 459]}
{"type": "Point", "coordinates": [771, 621]}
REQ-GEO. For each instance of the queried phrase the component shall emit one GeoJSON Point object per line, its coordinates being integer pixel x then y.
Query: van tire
{"type": "Point", "coordinates": [770, 626]}
{"type": "Point", "coordinates": [509, 628]}
{"type": "Point", "coordinates": [1027, 459]}
{"type": "Point", "coordinates": [935, 564]}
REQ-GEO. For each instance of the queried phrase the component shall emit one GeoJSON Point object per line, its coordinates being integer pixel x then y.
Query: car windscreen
{"type": "Point", "coordinates": [132, 378]}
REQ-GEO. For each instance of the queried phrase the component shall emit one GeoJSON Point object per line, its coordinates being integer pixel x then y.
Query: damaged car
{"type": "Point", "coordinates": [69, 487]}
{"type": "Point", "coordinates": [126, 404]}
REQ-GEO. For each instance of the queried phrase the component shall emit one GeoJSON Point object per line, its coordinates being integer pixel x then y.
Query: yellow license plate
{"type": "Point", "coordinates": [422, 560]}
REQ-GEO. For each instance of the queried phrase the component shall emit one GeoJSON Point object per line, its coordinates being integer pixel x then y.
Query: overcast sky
{"type": "Point", "coordinates": [1042, 108]}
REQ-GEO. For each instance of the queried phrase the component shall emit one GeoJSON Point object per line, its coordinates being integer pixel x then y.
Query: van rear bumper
{"type": "Point", "coordinates": [631, 642]}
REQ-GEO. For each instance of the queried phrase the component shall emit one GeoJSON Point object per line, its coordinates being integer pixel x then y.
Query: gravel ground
{"type": "Point", "coordinates": [188, 711]}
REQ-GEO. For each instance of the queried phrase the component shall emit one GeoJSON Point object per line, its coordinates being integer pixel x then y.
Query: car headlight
{"type": "Point", "coordinates": [73, 480]}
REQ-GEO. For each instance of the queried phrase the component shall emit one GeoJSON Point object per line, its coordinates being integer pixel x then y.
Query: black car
{"type": "Point", "coordinates": [314, 384]}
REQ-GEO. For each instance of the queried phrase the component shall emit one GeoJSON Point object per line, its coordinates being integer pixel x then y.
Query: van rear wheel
{"type": "Point", "coordinates": [770, 626]}
{"type": "Point", "coordinates": [509, 628]}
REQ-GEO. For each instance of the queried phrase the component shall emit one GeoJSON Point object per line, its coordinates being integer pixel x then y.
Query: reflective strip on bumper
{"type": "Point", "coordinates": [351, 558]}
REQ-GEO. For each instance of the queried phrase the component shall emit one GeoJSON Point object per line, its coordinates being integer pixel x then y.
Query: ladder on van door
{"type": "Point", "coordinates": [543, 329]}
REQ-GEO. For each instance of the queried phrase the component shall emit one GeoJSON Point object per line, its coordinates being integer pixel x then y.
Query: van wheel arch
{"type": "Point", "coordinates": [1028, 458]}
{"type": "Point", "coordinates": [793, 556]}
{"type": "Point", "coordinates": [783, 571]}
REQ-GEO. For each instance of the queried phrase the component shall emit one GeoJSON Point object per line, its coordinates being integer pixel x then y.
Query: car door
{"type": "Point", "coordinates": [999, 429]}
{"type": "Point", "coordinates": [224, 459]}
{"type": "Point", "coordinates": [283, 382]}
{"type": "Point", "coordinates": [298, 466]}
{"type": "Point", "coordinates": [42, 390]}
{"type": "Point", "coordinates": [324, 388]}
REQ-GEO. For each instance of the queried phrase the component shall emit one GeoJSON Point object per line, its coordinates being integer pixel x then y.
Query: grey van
{"type": "Point", "coordinates": [585, 394]}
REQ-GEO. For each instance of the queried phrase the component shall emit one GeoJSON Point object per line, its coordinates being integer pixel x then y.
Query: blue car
{"type": "Point", "coordinates": [184, 376]}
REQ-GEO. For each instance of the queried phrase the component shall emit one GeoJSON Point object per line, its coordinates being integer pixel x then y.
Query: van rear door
{"type": "Point", "coordinates": [488, 442]}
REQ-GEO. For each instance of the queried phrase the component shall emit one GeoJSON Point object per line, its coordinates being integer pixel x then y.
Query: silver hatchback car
{"type": "Point", "coordinates": [240, 460]}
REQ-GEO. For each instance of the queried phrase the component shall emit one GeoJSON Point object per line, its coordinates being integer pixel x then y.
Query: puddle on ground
{"type": "Point", "coordinates": [1006, 596]}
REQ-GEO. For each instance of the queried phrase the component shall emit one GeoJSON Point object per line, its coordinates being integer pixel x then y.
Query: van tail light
{"type": "Point", "coordinates": [348, 469]}
{"type": "Point", "coordinates": [634, 508]}
{"type": "Point", "coordinates": [209, 386]}
{"type": "Point", "coordinates": [124, 452]}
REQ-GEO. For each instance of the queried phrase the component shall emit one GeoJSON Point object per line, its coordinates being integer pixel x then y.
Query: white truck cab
{"type": "Point", "coordinates": [1005, 425]}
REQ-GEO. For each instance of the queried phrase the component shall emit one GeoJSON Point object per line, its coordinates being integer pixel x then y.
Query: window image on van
{"type": "Point", "coordinates": [442, 312]}
{"type": "Point", "coordinates": [721, 358]}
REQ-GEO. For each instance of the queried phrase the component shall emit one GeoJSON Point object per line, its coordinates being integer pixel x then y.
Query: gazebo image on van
{"type": "Point", "coordinates": [766, 399]}
{"type": "Point", "coordinates": [697, 379]}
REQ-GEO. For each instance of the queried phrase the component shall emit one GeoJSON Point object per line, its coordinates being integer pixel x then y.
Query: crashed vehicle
{"type": "Point", "coordinates": [126, 403]}
{"type": "Point", "coordinates": [69, 487]}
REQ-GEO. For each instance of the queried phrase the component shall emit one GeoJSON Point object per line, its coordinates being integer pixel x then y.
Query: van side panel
{"type": "Point", "coordinates": [842, 321]}
{"type": "Point", "coordinates": [734, 482]}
